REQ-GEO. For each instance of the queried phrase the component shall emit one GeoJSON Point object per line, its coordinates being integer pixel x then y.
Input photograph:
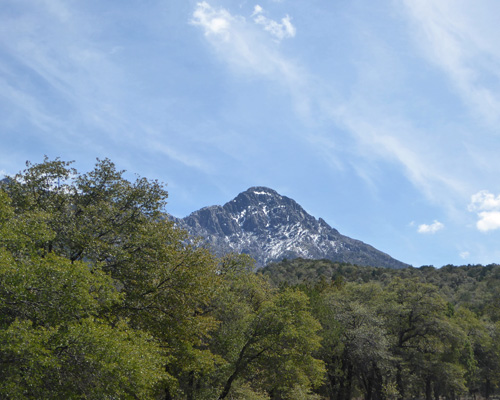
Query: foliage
{"type": "Point", "coordinates": [57, 336]}
{"type": "Point", "coordinates": [109, 299]}
{"type": "Point", "coordinates": [264, 342]}
{"type": "Point", "coordinates": [418, 332]}
{"type": "Point", "coordinates": [103, 297]}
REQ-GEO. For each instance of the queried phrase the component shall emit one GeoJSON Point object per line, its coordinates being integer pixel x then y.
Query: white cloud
{"type": "Point", "coordinates": [245, 48]}
{"type": "Point", "coordinates": [221, 22]}
{"type": "Point", "coordinates": [488, 221]}
{"type": "Point", "coordinates": [213, 21]}
{"type": "Point", "coordinates": [484, 201]}
{"type": "Point", "coordinates": [257, 10]}
{"type": "Point", "coordinates": [432, 228]}
{"type": "Point", "coordinates": [487, 207]}
{"type": "Point", "coordinates": [464, 255]}
{"type": "Point", "coordinates": [280, 31]}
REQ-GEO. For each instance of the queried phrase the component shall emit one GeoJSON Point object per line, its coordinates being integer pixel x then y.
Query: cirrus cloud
{"type": "Point", "coordinates": [246, 49]}
{"type": "Point", "coordinates": [465, 50]}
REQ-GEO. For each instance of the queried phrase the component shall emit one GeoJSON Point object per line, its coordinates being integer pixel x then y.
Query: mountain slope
{"type": "Point", "coordinates": [270, 227]}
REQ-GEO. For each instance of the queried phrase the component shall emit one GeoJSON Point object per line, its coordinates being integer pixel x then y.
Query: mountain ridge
{"type": "Point", "coordinates": [270, 227]}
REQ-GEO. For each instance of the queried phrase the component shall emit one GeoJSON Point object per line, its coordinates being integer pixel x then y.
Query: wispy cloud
{"type": "Point", "coordinates": [379, 133]}
{"type": "Point", "coordinates": [248, 50]}
{"type": "Point", "coordinates": [244, 47]}
{"type": "Point", "coordinates": [487, 207]}
{"type": "Point", "coordinates": [451, 37]}
{"type": "Point", "coordinates": [429, 149]}
{"type": "Point", "coordinates": [186, 159]}
{"type": "Point", "coordinates": [395, 139]}
{"type": "Point", "coordinates": [63, 79]}
{"type": "Point", "coordinates": [431, 228]}
{"type": "Point", "coordinates": [51, 50]}
{"type": "Point", "coordinates": [464, 255]}
{"type": "Point", "coordinates": [33, 110]}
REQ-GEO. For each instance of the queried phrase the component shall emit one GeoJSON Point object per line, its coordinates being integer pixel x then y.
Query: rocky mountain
{"type": "Point", "coordinates": [270, 227]}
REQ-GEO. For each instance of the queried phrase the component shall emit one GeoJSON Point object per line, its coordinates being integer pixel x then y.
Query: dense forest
{"type": "Point", "coordinates": [407, 333]}
{"type": "Point", "coordinates": [103, 297]}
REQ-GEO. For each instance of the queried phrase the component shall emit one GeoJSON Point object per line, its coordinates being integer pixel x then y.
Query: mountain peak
{"type": "Point", "coordinates": [269, 227]}
{"type": "Point", "coordinates": [255, 195]}
{"type": "Point", "coordinates": [262, 190]}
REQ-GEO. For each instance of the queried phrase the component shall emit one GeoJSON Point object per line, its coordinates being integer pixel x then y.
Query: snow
{"type": "Point", "coordinates": [265, 193]}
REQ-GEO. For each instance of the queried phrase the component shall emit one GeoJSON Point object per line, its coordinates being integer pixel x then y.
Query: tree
{"type": "Point", "coordinates": [102, 221]}
{"type": "Point", "coordinates": [266, 339]}
{"type": "Point", "coordinates": [57, 337]}
{"type": "Point", "coordinates": [423, 340]}
{"type": "Point", "coordinates": [355, 348]}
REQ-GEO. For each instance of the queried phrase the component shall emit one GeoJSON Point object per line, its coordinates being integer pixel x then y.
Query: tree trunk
{"type": "Point", "coordinates": [168, 396]}
{"type": "Point", "coordinates": [227, 386]}
{"type": "Point", "coordinates": [190, 389]}
{"type": "Point", "coordinates": [332, 389]}
{"type": "Point", "coordinates": [349, 381]}
{"type": "Point", "coordinates": [428, 388]}
{"type": "Point", "coordinates": [378, 384]}
{"type": "Point", "coordinates": [487, 389]}
{"type": "Point", "coordinates": [436, 391]}
{"type": "Point", "coordinates": [345, 390]}
{"type": "Point", "coordinates": [399, 383]}
{"type": "Point", "coordinates": [368, 384]}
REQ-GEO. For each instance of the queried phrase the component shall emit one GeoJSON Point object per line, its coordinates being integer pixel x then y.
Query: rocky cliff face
{"type": "Point", "coordinates": [270, 227]}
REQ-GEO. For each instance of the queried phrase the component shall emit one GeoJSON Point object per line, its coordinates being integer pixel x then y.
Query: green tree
{"type": "Point", "coordinates": [355, 346]}
{"type": "Point", "coordinates": [266, 339]}
{"type": "Point", "coordinates": [103, 221]}
{"type": "Point", "coordinates": [57, 337]}
{"type": "Point", "coordinates": [423, 341]}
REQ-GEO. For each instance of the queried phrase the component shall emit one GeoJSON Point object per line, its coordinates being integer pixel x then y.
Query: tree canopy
{"type": "Point", "coordinates": [412, 333]}
{"type": "Point", "coordinates": [103, 297]}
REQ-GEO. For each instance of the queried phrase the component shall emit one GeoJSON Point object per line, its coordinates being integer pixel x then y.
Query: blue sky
{"type": "Point", "coordinates": [380, 117]}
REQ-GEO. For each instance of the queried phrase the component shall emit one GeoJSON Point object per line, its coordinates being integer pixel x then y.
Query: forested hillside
{"type": "Point", "coordinates": [476, 287]}
{"type": "Point", "coordinates": [102, 297]}
{"type": "Point", "coordinates": [409, 333]}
